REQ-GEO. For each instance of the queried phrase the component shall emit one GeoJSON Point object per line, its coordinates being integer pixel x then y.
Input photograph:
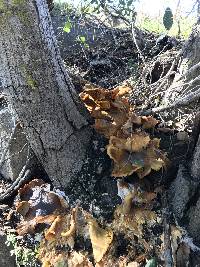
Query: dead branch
{"type": "Point", "coordinates": [184, 101]}
{"type": "Point", "coordinates": [190, 71]}
{"type": "Point", "coordinates": [166, 76]}
{"type": "Point", "coordinates": [24, 176]}
{"type": "Point", "coordinates": [136, 43]}
{"type": "Point", "coordinates": [16, 185]}
{"type": "Point", "coordinates": [197, 79]}
{"type": "Point", "coordinates": [168, 259]}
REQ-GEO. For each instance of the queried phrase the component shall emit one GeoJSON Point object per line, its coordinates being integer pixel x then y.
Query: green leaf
{"type": "Point", "coordinates": [82, 39]}
{"type": "Point", "coordinates": [67, 27]}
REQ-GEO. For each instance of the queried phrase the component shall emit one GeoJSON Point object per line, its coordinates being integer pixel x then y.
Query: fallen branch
{"type": "Point", "coordinates": [136, 43]}
{"type": "Point", "coordinates": [168, 259]}
{"type": "Point", "coordinates": [166, 76]}
{"type": "Point", "coordinates": [24, 176]}
{"type": "Point", "coordinates": [191, 70]}
{"type": "Point", "coordinates": [184, 101]}
{"type": "Point", "coordinates": [16, 185]}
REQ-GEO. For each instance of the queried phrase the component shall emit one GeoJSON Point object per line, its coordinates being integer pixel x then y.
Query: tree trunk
{"type": "Point", "coordinates": [185, 79]}
{"type": "Point", "coordinates": [190, 71]}
{"type": "Point", "coordinates": [40, 90]}
{"type": "Point", "coordinates": [198, 8]}
{"type": "Point", "coordinates": [184, 193]}
{"type": "Point", "coordinates": [191, 58]}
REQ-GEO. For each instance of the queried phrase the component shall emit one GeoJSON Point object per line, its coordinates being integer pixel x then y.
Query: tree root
{"type": "Point", "coordinates": [16, 185]}
{"type": "Point", "coordinates": [184, 101]}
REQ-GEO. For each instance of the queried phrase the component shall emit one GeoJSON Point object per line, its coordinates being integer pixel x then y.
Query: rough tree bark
{"type": "Point", "coordinates": [187, 79]}
{"type": "Point", "coordinates": [191, 60]}
{"type": "Point", "coordinates": [40, 90]}
{"type": "Point", "coordinates": [185, 190]}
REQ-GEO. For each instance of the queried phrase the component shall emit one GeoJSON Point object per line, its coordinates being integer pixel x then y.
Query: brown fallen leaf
{"type": "Point", "coordinates": [26, 227]}
{"type": "Point", "coordinates": [121, 91]}
{"type": "Point", "coordinates": [23, 207]}
{"type": "Point", "coordinates": [29, 226]}
{"type": "Point", "coordinates": [149, 122]}
{"type": "Point", "coordinates": [132, 223]}
{"type": "Point", "coordinates": [137, 142]}
{"type": "Point", "coordinates": [55, 260]}
{"type": "Point", "coordinates": [88, 101]}
{"type": "Point", "coordinates": [78, 259]}
{"type": "Point", "coordinates": [121, 105]}
{"type": "Point", "coordinates": [100, 238]}
{"type": "Point", "coordinates": [124, 169]}
{"type": "Point", "coordinates": [155, 142]}
{"type": "Point", "coordinates": [26, 191]}
{"type": "Point", "coordinates": [152, 161]}
{"type": "Point", "coordinates": [119, 156]}
{"type": "Point", "coordinates": [46, 264]}
{"type": "Point", "coordinates": [144, 172]}
{"type": "Point", "coordinates": [105, 127]}
{"type": "Point", "coordinates": [133, 264]}
{"type": "Point", "coordinates": [146, 197]}
{"type": "Point", "coordinates": [103, 104]}
{"type": "Point", "coordinates": [130, 146]}
{"type": "Point", "coordinates": [36, 199]}
{"type": "Point", "coordinates": [72, 228]}
{"type": "Point", "coordinates": [134, 211]}
{"type": "Point", "coordinates": [49, 246]}
{"type": "Point", "coordinates": [137, 159]}
{"type": "Point", "coordinates": [128, 203]}
{"type": "Point", "coordinates": [101, 114]}
{"type": "Point", "coordinates": [97, 93]}
{"type": "Point", "coordinates": [117, 142]}
{"type": "Point", "coordinates": [54, 229]}
{"type": "Point", "coordinates": [135, 119]}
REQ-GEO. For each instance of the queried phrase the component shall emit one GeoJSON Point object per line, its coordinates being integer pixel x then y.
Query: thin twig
{"type": "Point", "coordinates": [15, 186]}
{"type": "Point", "coordinates": [167, 233]}
{"type": "Point", "coordinates": [190, 71]}
{"type": "Point", "coordinates": [193, 89]}
{"type": "Point", "coordinates": [136, 43]}
{"type": "Point", "coordinates": [166, 76]}
{"type": "Point", "coordinates": [23, 176]}
{"type": "Point", "coordinates": [180, 102]}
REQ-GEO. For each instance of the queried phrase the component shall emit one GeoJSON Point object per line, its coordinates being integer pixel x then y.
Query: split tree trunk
{"type": "Point", "coordinates": [40, 90]}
